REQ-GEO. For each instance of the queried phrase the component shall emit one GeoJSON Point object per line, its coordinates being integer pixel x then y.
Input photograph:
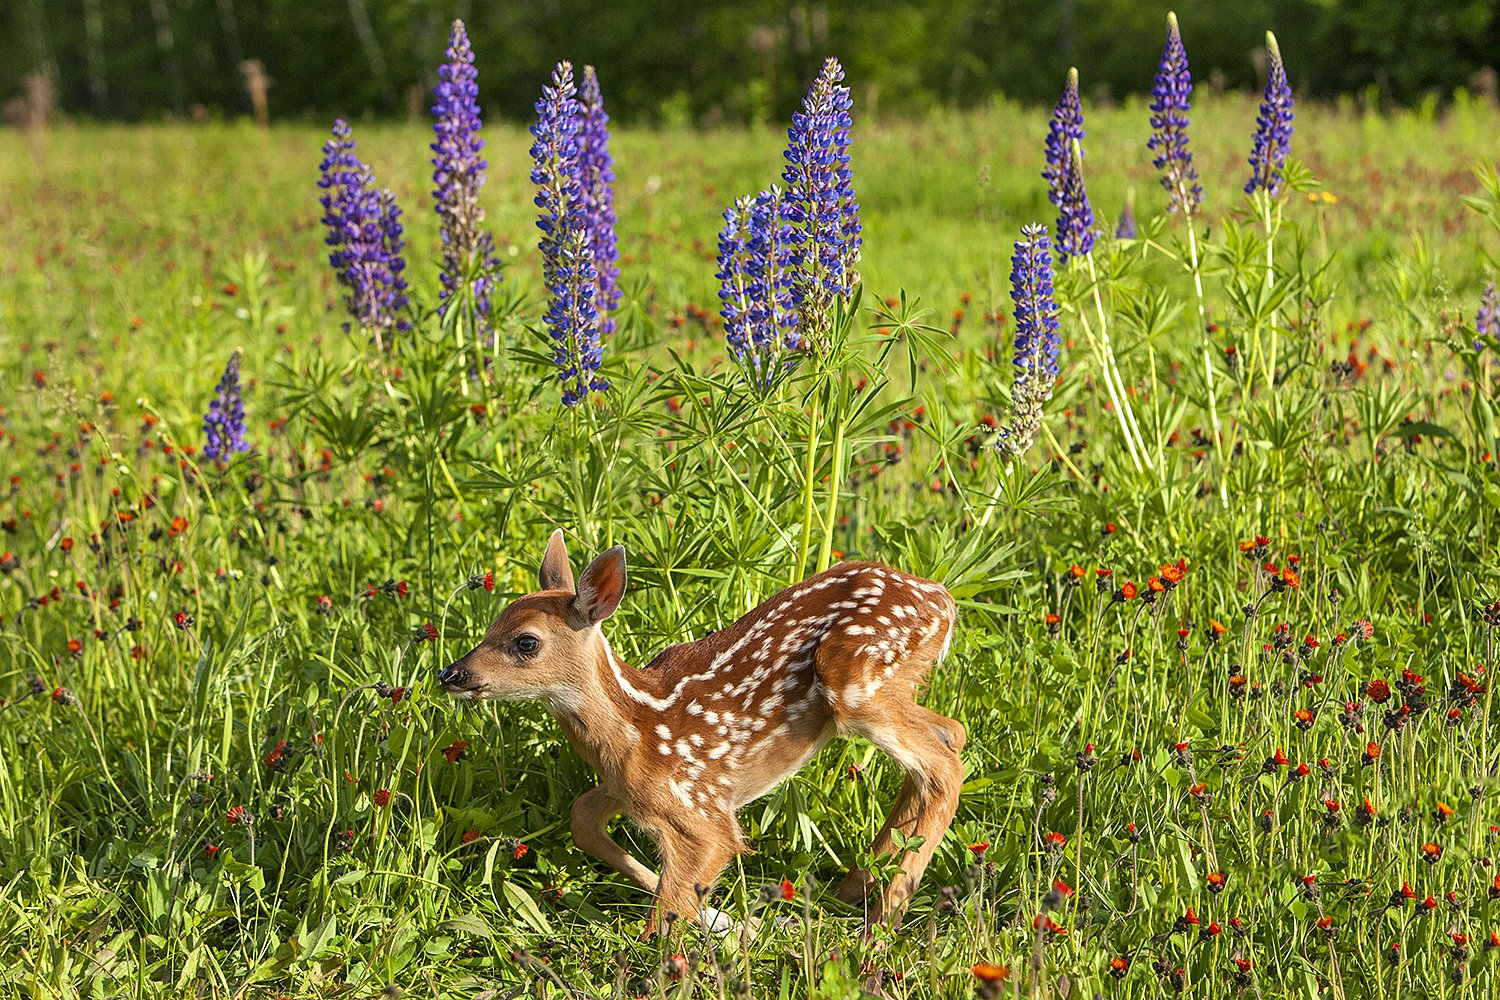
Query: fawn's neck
{"type": "Point", "coordinates": [600, 717]}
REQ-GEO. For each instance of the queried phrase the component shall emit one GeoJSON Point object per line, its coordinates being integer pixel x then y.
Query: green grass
{"type": "Point", "coordinates": [135, 260]}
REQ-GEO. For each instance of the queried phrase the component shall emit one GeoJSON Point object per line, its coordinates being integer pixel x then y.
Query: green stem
{"type": "Point", "coordinates": [830, 523]}
{"type": "Point", "coordinates": [1271, 230]}
{"type": "Point", "coordinates": [1112, 371]}
{"type": "Point", "coordinates": [1208, 361]}
{"type": "Point", "coordinates": [808, 471]}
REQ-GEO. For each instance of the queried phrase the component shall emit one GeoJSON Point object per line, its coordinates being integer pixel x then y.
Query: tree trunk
{"type": "Point", "coordinates": [168, 46]}
{"type": "Point", "coordinates": [93, 30]}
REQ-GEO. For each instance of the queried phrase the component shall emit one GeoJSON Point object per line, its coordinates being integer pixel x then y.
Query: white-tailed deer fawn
{"type": "Point", "coordinates": [710, 725]}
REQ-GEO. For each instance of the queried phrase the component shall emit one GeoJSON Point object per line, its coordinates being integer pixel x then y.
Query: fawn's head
{"type": "Point", "coordinates": [544, 644]}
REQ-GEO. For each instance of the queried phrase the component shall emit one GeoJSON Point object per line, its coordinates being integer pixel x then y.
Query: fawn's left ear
{"type": "Point", "coordinates": [601, 586]}
{"type": "Point", "coordinates": [555, 573]}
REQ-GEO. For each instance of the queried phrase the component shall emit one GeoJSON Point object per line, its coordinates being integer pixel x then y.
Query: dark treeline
{"type": "Point", "coordinates": [741, 60]}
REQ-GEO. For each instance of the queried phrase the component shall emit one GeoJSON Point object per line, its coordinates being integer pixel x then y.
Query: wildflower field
{"type": "Point", "coordinates": [1214, 484]}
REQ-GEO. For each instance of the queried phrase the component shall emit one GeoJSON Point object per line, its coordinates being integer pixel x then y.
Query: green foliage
{"type": "Point", "coordinates": [268, 795]}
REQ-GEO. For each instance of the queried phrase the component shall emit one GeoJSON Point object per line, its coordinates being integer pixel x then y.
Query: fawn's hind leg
{"type": "Point", "coordinates": [592, 812]}
{"type": "Point", "coordinates": [926, 745]}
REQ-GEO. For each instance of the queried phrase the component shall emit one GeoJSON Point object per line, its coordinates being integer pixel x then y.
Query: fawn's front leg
{"type": "Point", "coordinates": [592, 812]}
{"type": "Point", "coordinates": [691, 861]}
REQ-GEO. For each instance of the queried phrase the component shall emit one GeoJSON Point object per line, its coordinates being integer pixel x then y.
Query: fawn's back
{"type": "Point", "coordinates": [736, 711]}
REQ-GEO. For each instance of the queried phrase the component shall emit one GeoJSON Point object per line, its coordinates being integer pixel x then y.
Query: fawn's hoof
{"type": "Point", "coordinates": [856, 886]}
{"type": "Point", "coordinates": [716, 921]}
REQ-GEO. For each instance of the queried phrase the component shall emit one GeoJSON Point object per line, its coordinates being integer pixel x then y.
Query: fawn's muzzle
{"type": "Point", "coordinates": [454, 677]}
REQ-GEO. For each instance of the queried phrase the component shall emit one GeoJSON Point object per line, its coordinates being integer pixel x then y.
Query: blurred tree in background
{"type": "Point", "coordinates": [739, 60]}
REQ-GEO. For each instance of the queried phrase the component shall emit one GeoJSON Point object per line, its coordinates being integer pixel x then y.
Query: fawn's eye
{"type": "Point", "coordinates": [527, 643]}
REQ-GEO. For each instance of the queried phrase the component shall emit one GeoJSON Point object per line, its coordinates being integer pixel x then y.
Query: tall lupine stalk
{"type": "Point", "coordinates": [820, 204]}
{"type": "Point", "coordinates": [568, 268]}
{"type": "Point", "coordinates": [1037, 341]}
{"type": "Point", "coordinates": [597, 173]}
{"type": "Point", "coordinates": [755, 286]}
{"type": "Point", "coordinates": [1269, 148]}
{"type": "Point", "coordinates": [471, 269]}
{"type": "Point", "coordinates": [824, 234]}
{"type": "Point", "coordinates": [364, 233]}
{"type": "Point", "coordinates": [1076, 236]}
{"type": "Point", "coordinates": [1171, 94]}
{"type": "Point", "coordinates": [224, 423]}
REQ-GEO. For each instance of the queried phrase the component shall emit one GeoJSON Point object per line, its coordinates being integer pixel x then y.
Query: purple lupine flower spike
{"type": "Point", "coordinates": [471, 268]}
{"type": "Point", "coordinates": [365, 238]}
{"type": "Point", "coordinates": [1066, 126]}
{"type": "Point", "coordinates": [568, 268]}
{"type": "Point", "coordinates": [224, 424]}
{"type": "Point", "coordinates": [1170, 105]}
{"type": "Point", "coordinates": [820, 204]}
{"type": "Point", "coordinates": [1273, 127]}
{"type": "Point", "coordinates": [598, 176]}
{"type": "Point", "coordinates": [1125, 229]}
{"type": "Point", "coordinates": [1037, 339]}
{"type": "Point", "coordinates": [734, 277]}
{"type": "Point", "coordinates": [1487, 320]}
{"type": "Point", "coordinates": [1075, 217]}
{"type": "Point", "coordinates": [755, 285]}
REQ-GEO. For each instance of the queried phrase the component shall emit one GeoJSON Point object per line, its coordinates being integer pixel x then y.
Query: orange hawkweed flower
{"type": "Point", "coordinates": [987, 972]}
{"type": "Point", "coordinates": [455, 751]}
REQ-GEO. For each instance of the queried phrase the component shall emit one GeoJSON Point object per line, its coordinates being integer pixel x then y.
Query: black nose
{"type": "Point", "coordinates": [448, 674]}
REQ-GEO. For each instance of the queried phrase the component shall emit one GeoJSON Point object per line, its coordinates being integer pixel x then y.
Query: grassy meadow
{"type": "Point", "coordinates": [226, 769]}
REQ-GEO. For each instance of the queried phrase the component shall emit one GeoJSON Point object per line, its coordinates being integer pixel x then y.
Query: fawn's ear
{"type": "Point", "coordinates": [601, 586]}
{"type": "Point", "coordinates": [555, 573]}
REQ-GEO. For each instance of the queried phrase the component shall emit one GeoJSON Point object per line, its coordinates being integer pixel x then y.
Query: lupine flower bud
{"type": "Point", "coordinates": [568, 268]}
{"type": "Point", "coordinates": [1075, 220]}
{"type": "Point", "coordinates": [224, 424]}
{"type": "Point", "coordinates": [1126, 228]}
{"type": "Point", "coordinates": [820, 202]}
{"type": "Point", "coordinates": [1037, 341]}
{"type": "Point", "coordinates": [756, 275]}
{"type": "Point", "coordinates": [1170, 105]}
{"type": "Point", "coordinates": [597, 173]}
{"type": "Point", "coordinates": [365, 237]}
{"type": "Point", "coordinates": [1273, 128]}
{"type": "Point", "coordinates": [1487, 320]}
{"type": "Point", "coordinates": [1064, 174]}
{"type": "Point", "coordinates": [470, 267]}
